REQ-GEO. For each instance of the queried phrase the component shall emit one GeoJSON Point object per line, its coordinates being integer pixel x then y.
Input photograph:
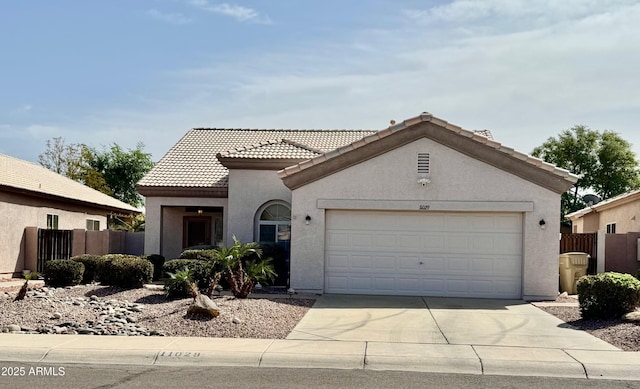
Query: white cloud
{"type": "Point", "coordinates": [171, 18]}
{"type": "Point", "coordinates": [237, 12]}
{"type": "Point", "coordinates": [525, 83]}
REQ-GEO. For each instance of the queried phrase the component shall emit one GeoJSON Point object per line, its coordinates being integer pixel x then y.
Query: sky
{"type": "Point", "coordinates": [125, 72]}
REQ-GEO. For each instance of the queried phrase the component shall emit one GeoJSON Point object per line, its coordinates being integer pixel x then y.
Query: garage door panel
{"type": "Point", "coordinates": [385, 284]}
{"type": "Point", "coordinates": [337, 240]}
{"type": "Point", "coordinates": [338, 262]}
{"type": "Point", "coordinates": [457, 265]}
{"type": "Point", "coordinates": [361, 240]}
{"type": "Point", "coordinates": [359, 283]}
{"type": "Point", "coordinates": [415, 253]}
{"type": "Point", "coordinates": [409, 284]}
{"type": "Point", "coordinates": [432, 265]}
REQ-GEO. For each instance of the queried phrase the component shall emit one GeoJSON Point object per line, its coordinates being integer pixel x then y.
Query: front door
{"type": "Point", "coordinates": [196, 231]}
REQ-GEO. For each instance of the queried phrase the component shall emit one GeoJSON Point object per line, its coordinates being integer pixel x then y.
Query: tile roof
{"type": "Point", "coordinates": [22, 175]}
{"type": "Point", "coordinates": [192, 162]}
{"type": "Point", "coordinates": [274, 149]}
{"type": "Point", "coordinates": [624, 198]}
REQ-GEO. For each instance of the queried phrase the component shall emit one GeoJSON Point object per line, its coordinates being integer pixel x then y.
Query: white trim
{"type": "Point", "coordinates": [427, 205]}
{"type": "Point", "coordinates": [257, 222]}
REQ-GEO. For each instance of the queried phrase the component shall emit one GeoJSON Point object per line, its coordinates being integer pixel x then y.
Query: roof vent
{"type": "Point", "coordinates": [423, 163]}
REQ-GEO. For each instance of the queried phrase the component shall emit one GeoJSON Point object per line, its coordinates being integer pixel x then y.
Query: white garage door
{"type": "Point", "coordinates": [429, 254]}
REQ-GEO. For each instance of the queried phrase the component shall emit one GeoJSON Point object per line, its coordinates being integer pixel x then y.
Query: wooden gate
{"type": "Point", "coordinates": [53, 244]}
{"type": "Point", "coordinates": [584, 243]}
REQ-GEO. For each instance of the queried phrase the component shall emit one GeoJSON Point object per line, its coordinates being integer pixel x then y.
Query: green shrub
{"type": "Point", "coordinates": [90, 263]}
{"type": "Point", "coordinates": [179, 284]}
{"type": "Point", "coordinates": [608, 295]}
{"type": "Point", "coordinates": [128, 271]}
{"type": "Point", "coordinates": [202, 255]}
{"type": "Point", "coordinates": [63, 272]}
{"type": "Point", "coordinates": [157, 260]}
{"type": "Point", "coordinates": [201, 270]}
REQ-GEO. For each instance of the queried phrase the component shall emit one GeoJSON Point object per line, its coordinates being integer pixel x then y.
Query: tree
{"type": "Point", "coordinates": [604, 162]}
{"type": "Point", "coordinates": [60, 157]}
{"type": "Point", "coordinates": [115, 172]}
{"type": "Point", "coordinates": [111, 171]}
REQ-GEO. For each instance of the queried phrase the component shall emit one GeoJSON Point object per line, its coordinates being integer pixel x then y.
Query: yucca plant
{"type": "Point", "coordinates": [23, 291]}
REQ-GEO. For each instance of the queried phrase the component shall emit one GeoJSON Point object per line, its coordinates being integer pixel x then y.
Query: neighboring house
{"type": "Point", "coordinates": [617, 215]}
{"type": "Point", "coordinates": [420, 208]}
{"type": "Point", "coordinates": [33, 196]}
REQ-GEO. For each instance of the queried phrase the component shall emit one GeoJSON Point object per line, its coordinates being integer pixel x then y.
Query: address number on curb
{"type": "Point", "coordinates": [179, 354]}
{"type": "Point", "coordinates": [424, 207]}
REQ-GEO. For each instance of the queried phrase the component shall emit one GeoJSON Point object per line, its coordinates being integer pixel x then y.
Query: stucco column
{"type": "Point", "coordinates": [30, 249]}
{"type": "Point", "coordinates": [601, 251]}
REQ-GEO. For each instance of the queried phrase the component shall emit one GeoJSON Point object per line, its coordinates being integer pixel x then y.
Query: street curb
{"type": "Point", "coordinates": [286, 353]}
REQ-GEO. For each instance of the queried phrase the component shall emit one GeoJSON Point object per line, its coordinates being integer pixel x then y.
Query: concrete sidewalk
{"type": "Point", "coordinates": [287, 353]}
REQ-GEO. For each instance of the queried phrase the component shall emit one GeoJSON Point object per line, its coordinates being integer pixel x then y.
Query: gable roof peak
{"type": "Point", "coordinates": [441, 131]}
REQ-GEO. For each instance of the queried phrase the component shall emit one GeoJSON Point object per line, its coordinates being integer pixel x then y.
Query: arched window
{"type": "Point", "coordinates": [274, 222]}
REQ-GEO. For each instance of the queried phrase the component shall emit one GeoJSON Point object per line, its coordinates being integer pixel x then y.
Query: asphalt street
{"type": "Point", "coordinates": [120, 376]}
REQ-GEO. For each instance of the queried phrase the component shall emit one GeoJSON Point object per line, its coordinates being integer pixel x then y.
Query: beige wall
{"type": "Point", "coordinates": [457, 182]}
{"type": "Point", "coordinates": [248, 191]}
{"type": "Point", "coordinates": [626, 216]}
{"type": "Point", "coordinates": [20, 211]}
{"type": "Point", "coordinates": [164, 222]}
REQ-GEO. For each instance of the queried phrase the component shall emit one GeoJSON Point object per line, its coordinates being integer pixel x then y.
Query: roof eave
{"type": "Point", "coordinates": [42, 195]}
{"type": "Point", "coordinates": [183, 191]}
{"type": "Point", "coordinates": [258, 163]}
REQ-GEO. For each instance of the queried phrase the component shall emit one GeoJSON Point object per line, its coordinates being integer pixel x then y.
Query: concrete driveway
{"type": "Point", "coordinates": [434, 320]}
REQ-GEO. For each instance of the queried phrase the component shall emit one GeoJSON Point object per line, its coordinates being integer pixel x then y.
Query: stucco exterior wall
{"type": "Point", "coordinates": [456, 179]}
{"type": "Point", "coordinates": [20, 211]}
{"type": "Point", "coordinates": [626, 217]}
{"type": "Point", "coordinates": [248, 191]}
{"type": "Point", "coordinates": [164, 222]}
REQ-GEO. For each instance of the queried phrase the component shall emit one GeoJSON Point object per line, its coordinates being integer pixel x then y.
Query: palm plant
{"type": "Point", "coordinates": [241, 272]}
{"type": "Point", "coordinates": [180, 284]}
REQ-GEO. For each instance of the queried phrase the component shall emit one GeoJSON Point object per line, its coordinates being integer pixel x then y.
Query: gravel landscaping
{"type": "Point", "coordinates": [624, 335]}
{"type": "Point", "coordinates": [106, 310]}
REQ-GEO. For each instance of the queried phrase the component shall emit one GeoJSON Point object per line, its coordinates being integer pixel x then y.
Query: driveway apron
{"type": "Point", "coordinates": [434, 320]}
{"type": "Point", "coordinates": [369, 318]}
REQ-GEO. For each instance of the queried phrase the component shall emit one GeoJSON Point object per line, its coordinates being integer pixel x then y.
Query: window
{"type": "Point", "coordinates": [52, 222]}
{"type": "Point", "coordinates": [611, 228]}
{"type": "Point", "coordinates": [93, 225]}
{"type": "Point", "coordinates": [274, 223]}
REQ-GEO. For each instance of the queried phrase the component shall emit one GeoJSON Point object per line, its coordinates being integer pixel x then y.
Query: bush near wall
{"type": "Point", "coordinates": [200, 270]}
{"type": "Point", "coordinates": [63, 272]}
{"type": "Point", "coordinates": [158, 261]}
{"type": "Point", "coordinates": [90, 263]}
{"type": "Point", "coordinates": [201, 255]}
{"type": "Point", "coordinates": [608, 295]}
{"type": "Point", "coordinates": [128, 271]}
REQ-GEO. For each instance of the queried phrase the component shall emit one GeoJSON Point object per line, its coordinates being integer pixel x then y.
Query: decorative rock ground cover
{"type": "Point", "coordinates": [114, 317]}
{"type": "Point", "coordinates": [105, 310]}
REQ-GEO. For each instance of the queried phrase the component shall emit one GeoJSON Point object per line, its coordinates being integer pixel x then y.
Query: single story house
{"type": "Point", "coordinates": [422, 207]}
{"type": "Point", "coordinates": [33, 196]}
{"type": "Point", "coordinates": [617, 215]}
